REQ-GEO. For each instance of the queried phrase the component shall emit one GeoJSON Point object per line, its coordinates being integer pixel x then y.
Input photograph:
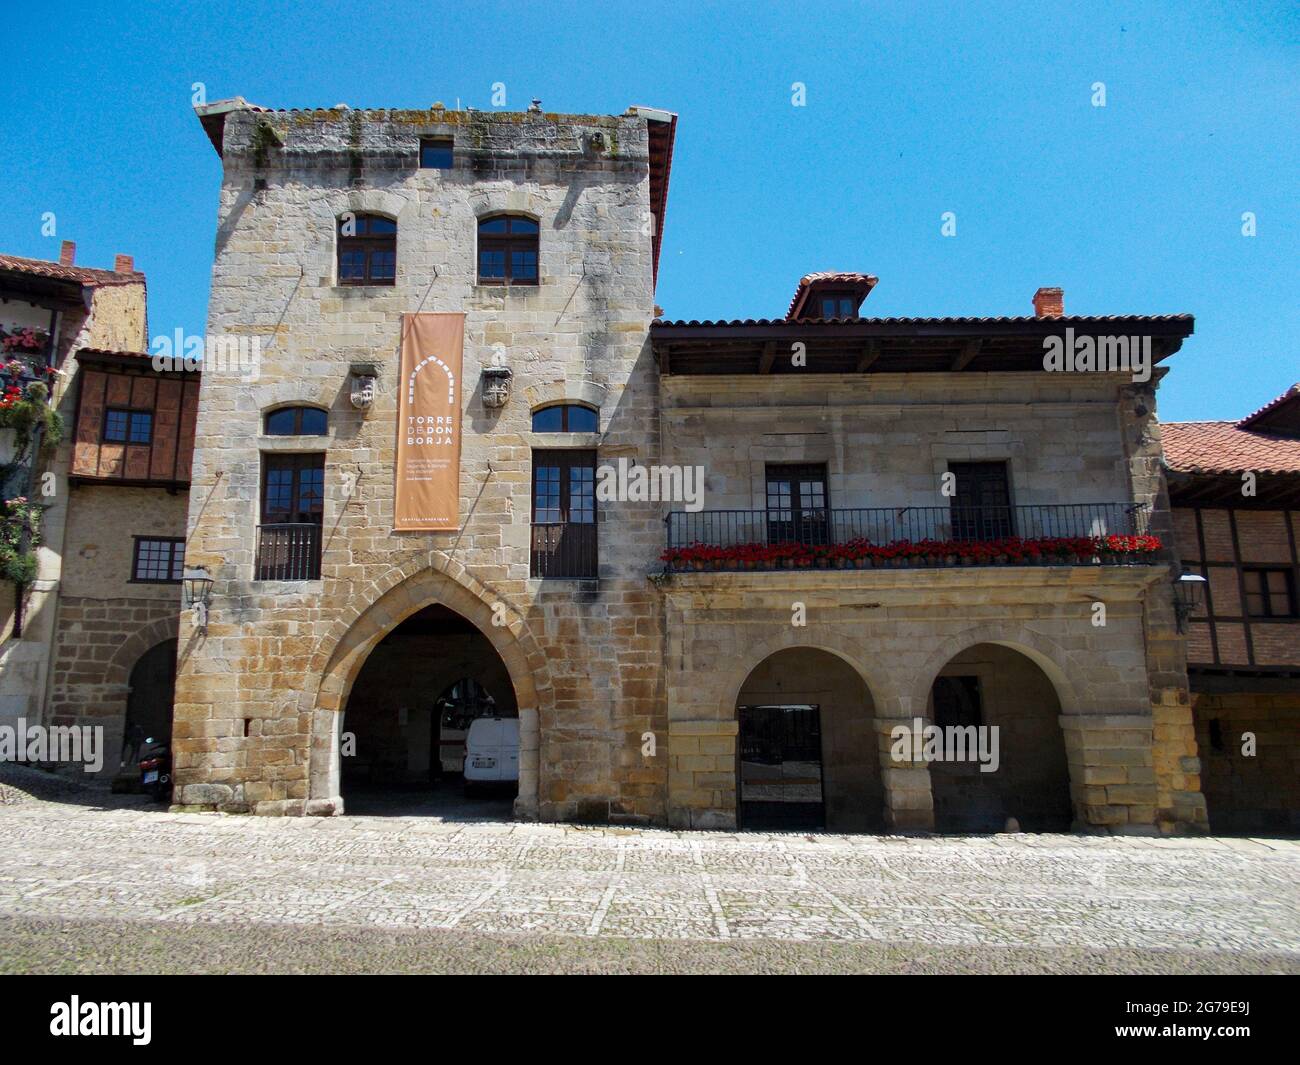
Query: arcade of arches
{"type": "Point", "coordinates": [811, 754]}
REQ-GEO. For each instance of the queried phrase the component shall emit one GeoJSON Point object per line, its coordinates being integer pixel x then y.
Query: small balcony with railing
{"type": "Point", "coordinates": [1071, 534]}
{"type": "Point", "coordinates": [288, 551]}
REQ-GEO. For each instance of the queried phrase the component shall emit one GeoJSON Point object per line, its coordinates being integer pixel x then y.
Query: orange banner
{"type": "Point", "coordinates": [427, 496]}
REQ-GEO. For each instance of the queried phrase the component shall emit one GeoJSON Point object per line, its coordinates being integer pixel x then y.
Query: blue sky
{"type": "Point", "coordinates": [984, 110]}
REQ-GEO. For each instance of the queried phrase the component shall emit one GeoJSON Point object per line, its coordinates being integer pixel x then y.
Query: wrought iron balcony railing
{"type": "Point", "coordinates": [288, 552]}
{"type": "Point", "coordinates": [564, 550]}
{"type": "Point", "coordinates": [1076, 533]}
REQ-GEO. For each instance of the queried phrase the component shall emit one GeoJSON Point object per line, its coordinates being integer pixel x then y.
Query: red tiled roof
{"type": "Point", "coordinates": [864, 281]}
{"type": "Point", "coordinates": [83, 275]}
{"type": "Point", "coordinates": [1289, 397]}
{"type": "Point", "coordinates": [1058, 323]}
{"type": "Point", "coordinates": [1224, 447]}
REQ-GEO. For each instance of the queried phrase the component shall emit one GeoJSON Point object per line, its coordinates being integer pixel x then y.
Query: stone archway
{"type": "Point", "coordinates": [117, 680]}
{"type": "Point", "coordinates": [389, 601]}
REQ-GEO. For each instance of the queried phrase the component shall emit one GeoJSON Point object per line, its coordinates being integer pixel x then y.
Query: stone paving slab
{"type": "Point", "coordinates": [60, 861]}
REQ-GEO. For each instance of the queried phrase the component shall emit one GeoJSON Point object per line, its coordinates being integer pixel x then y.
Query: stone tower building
{"type": "Point", "coordinates": [543, 230]}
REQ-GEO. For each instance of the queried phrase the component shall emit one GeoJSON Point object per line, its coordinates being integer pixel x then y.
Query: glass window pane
{"type": "Point", "coordinates": [115, 426]}
{"type": "Point", "coordinates": [435, 154]}
{"type": "Point", "coordinates": [381, 225]}
{"type": "Point", "coordinates": [582, 420]}
{"type": "Point", "coordinates": [493, 225]}
{"type": "Point", "coordinates": [523, 265]}
{"type": "Point", "coordinates": [352, 265]}
{"type": "Point", "coordinates": [314, 422]}
{"type": "Point", "coordinates": [548, 420]}
{"type": "Point", "coordinates": [383, 265]}
{"type": "Point", "coordinates": [492, 264]}
{"type": "Point", "coordinates": [141, 428]}
{"type": "Point", "coordinates": [522, 225]}
{"type": "Point", "coordinates": [280, 422]}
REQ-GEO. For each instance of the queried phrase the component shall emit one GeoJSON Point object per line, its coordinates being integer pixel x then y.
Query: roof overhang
{"type": "Point", "coordinates": [893, 345]}
{"type": "Point", "coordinates": [662, 132]}
{"type": "Point", "coordinates": [1273, 491]}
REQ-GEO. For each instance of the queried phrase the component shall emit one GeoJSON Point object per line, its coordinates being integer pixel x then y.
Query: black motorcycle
{"type": "Point", "coordinates": [156, 770]}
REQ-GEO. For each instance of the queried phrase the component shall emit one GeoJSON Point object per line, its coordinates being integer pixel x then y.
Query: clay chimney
{"type": "Point", "coordinates": [1049, 303]}
{"type": "Point", "coordinates": [67, 253]}
{"type": "Point", "coordinates": [124, 264]}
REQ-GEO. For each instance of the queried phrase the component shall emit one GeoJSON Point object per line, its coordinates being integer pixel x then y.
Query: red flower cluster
{"type": "Point", "coordinates": [25, 339]}
{"type": "Point", "coordinates": [862, 553]}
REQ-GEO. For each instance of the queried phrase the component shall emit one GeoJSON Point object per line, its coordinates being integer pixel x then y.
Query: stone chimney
{"type": "Point", "coordinates": [67, 253]}
{"type": "Point", "coordinates": [124, 264]}
{"type": "Point", "coordinates": [1049, 303]}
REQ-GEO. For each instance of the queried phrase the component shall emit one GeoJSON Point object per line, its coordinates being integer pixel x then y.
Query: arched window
{"type": "Point", "coordinates": [566, 418]}
{"type": "Point", "coordinates": [507, 250]}
{"type": "Point", "coordinates": [367, 249]}
{"type": "Point", "coordinates": [297, 421]}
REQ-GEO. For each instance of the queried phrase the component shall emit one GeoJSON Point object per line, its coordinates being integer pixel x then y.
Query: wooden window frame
{"type": "Point", "coordinates": [131, 413]}
{"type": "Point", "coordinates": [564, 549]}
{"type": "Point", "coordinates": [507, 243]}
{"type": "Point", "coordinates": [1262, 591]}
{"type": "Point", "coordinates": [175, 541]}
{"type": "Point", "coordinates": [966, 516]}
{"type": "Point", "coordinates": [298, 462]}
{"type": "Point", "coordinates": [808, 523]}
{"type": "Point", "coordinates": [368, 244]}
{"type": "Point", "coordinates": [297, 421]}
{"type": "Point", "coordinates": [565, 409]}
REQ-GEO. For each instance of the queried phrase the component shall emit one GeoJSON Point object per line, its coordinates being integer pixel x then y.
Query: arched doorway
{"type": "Point", "coordinates": [151, 694]}
{"type": "Point", "coordinates": [408, 714]}
{"type": "Point", "coordinates": [807, 747]}
{"type": "Point", "coordinates": [1001, 751]}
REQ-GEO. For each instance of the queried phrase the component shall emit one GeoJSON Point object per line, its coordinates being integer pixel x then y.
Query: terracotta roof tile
{"type": "Point", "coordinates": [1222, 447]}
{"type": "Point", "coordinates": [83, 275]}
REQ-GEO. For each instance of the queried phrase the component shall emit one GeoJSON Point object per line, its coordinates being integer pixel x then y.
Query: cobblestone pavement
{"type": "Point", "coordinates": [66, 860]}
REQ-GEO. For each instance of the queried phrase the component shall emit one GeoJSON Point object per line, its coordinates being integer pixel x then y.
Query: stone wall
{"type": "Point", "coordinates": [106, 621]}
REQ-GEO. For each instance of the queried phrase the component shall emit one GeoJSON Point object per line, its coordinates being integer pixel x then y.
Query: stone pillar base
{"type": "Point", "coordinates": [702, 774]}
{"type": "Point", "coordinates": [1112, 777]}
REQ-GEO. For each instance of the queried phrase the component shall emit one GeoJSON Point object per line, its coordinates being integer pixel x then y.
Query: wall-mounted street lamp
{"type": "Point", "coordinates": [363, 384]}
{"type": "Point", "coordinates": [1189, 594]}
{"type": "Point", "coordinates": [197, 584]}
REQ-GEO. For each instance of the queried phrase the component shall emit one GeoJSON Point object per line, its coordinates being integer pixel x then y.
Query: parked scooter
{"type": "Point", "coordinates": [156, 770]}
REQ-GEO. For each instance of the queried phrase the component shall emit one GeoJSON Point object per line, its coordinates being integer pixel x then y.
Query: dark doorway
{"type": "Point", "coordinates": [781, 767]}
{"type": "Point", "coordinates": [149, 702]}
{"type": "Point", "coordinates": [408, 716]}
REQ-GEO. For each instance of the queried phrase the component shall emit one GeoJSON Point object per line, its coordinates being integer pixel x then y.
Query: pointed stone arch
{"type": "Point", "coordinates": [383, 606]}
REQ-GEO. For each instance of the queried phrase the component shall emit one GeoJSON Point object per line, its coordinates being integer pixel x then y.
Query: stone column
{"type": "Point", "coordinates": [702, 773]}
{"type": "Point", "coordinates": [1112, 774]}
{"type": "Point", "coordinates": [909, 800]}
{"type": "Point", "coordinates": [526, 803]}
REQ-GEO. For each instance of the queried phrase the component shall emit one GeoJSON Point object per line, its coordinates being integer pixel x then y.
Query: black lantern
{"type": "Point", "coordinates": [1189, 594]}
{"type": "Point", "coordinates": [198, 586]}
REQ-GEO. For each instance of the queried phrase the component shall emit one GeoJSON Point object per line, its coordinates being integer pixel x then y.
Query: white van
{"type": "Point", "coordinates": [492, 752]}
